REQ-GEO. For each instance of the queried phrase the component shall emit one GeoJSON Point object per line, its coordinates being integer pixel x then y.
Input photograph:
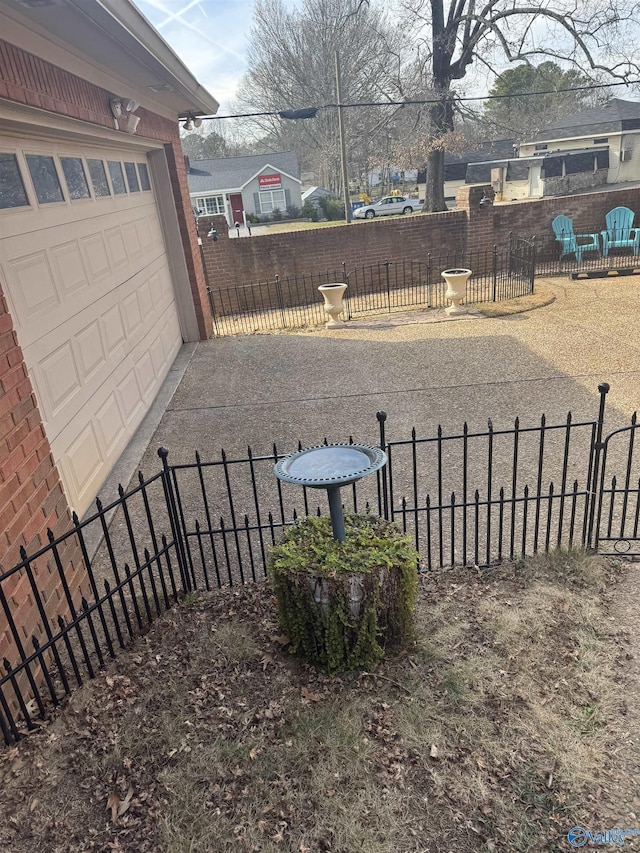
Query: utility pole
{"type": "Point", "coordinates": [343, 147]}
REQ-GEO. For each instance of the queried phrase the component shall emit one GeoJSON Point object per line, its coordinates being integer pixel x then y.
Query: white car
{"type": "Point", "coordinates": [388, 205]}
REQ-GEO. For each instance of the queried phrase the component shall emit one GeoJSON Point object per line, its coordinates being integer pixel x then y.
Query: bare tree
{"type": "Point", "coordinates": [291, 65]}
{"type": "Point", "coordinates": [599, 37]}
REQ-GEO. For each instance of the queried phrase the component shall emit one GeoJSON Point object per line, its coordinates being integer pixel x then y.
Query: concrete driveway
{"type": "Point", "coordinates": [305, 386]}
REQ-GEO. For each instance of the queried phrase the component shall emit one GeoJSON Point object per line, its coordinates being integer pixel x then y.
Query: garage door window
{"type": "Point", "coordinates": [144, 176]}
{"type": "Point", "coordinates": [98, 178]}
{"type": "Point", "coordinates": [75, 177]}
{"type": "Point", "coordinates": [12, 193]}
{"type": "Point", "coordinates": [45, 178]}
{"type": "Point", "coordinates": [117, 177]}
{"type": "Point", "coordinates": [132, 177]}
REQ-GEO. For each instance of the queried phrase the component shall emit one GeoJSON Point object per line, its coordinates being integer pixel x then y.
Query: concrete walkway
{"type": "Point", "coordinates": [257, 389]}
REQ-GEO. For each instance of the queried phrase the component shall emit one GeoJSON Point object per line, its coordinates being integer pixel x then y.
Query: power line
{"type": "Point", "coordinates": [310, 112]}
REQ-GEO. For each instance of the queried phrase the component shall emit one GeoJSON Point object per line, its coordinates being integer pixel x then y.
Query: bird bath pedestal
{"type": "Point", "coordinates": [329, 467]}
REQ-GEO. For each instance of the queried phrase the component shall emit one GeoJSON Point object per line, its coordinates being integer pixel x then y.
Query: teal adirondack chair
{"type": "Point", "coordinates": [563, 229]}
{"type": "Point", "coordinates": [620, 232]}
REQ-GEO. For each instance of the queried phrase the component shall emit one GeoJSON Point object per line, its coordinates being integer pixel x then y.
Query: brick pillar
{"type": "Point", "coordinates": [481, 235]}
{"type": "Point", "coordinates": [216, 255]}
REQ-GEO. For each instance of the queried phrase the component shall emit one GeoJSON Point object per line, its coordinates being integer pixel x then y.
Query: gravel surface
{"type": "Point", "coordinates": [257, 389]}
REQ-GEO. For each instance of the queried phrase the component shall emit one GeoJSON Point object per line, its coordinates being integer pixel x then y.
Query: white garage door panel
{"type": "Point", "coordinates": [100, 431]}
{"type": "Point", "coordinates": [84, 351]}
{"type": "Point", "coordinates": [71, 267]}
{"type": "Point", "coordinates": [89, 288]}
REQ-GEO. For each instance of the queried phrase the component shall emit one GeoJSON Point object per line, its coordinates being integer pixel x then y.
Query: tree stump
{"type": "Point", "coordinates": [341, 604]}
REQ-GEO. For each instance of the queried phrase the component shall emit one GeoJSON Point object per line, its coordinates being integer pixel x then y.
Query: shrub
{"type": "Point", "coordinates": [293, 212]}
{"type": "Point", "coordinates": [342, 603]}
{"type": "Point", "coordinates": [332, 208]}
{"type": "Point", "coordinates": [252, 218]}
{"type": "Point", "coordinates": [309, 211]}
{"type": "Point", "coordinates": [276, 214]}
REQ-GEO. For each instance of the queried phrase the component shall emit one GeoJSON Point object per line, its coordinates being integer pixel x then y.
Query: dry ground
{"type": "Point", "coordinates": [502, 727]}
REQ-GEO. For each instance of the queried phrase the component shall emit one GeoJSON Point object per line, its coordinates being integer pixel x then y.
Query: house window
{"type": "Point", "coordinates": [210, 205]}
{"type": "Point", "coordinates": [75, 177]}
{"type": "Point", "coordinates": [117, 177]}
{"type": "Point", "coordinates": [541, 147]}
{"type": "Point", "coordinates": [45, 178]}
{"type": "Point", "coordinates": [98, 178]}
{"type": "Point", "coordinates": [601, 140]}
{"type": "Point", "coordinates": [270, 200]}
{"type": "Point", "coordinates": [12, 193]}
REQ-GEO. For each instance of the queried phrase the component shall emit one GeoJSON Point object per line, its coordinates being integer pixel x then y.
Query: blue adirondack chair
{"type": "Point", "coordinates": [563, 229]}
{"type": "Point", "coordinates": [620, 233]}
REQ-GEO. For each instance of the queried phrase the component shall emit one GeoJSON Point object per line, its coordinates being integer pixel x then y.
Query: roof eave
{"type": "Point", "coordinates": [128, 26]}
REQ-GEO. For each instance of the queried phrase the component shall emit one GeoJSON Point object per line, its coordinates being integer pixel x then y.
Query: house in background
{"type": "Point", "coordinates": [582, 151]}
{"type": "Point", "coordinates": [314, 194]}
{"type": "Point", "coordinates": [239, 186]}
{"type": "Point", "coordinates": [457, 171]}
{"type": "Point", "coordinates": [587, 149]}
{"type": "Point", "coordinates": [100, 275]}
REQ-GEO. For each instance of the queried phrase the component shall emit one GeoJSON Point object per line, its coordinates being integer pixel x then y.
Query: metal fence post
{"type": "Point", "coordinates": [280, 301]}
{"type": "Point", "coordinates": [386, 266]}
{"type": "Point", "coordinates": [592, 492]}
{"type": "Point", "coordinates": [174, 520]}
{"type": "Point", "coordinates": [534, 256]}
{"type": "Point", "coordinates": [382, 417]}
{"type": "Point", "coordinates": [495, 271]}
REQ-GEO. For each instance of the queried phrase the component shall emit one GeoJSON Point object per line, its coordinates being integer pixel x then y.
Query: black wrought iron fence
{"type": "Point", "coordinates": [386, 286]}
{"type": "Point", "coordinates": [477, 497]}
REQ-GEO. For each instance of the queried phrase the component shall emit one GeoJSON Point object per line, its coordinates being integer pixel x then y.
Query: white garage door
{"type": "Point", "coordinates": [85, 272]}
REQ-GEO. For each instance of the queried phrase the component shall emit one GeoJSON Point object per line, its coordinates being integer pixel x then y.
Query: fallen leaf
{"type": "Point", "coordinates": [309, 696]}
{"type": "Point", "coordinates": [124, 805]}
{"type": "Point", "coordinates": [281, 639]}
{"type": "Point", "coordinates": [565, 606]}
{"type": "Point", "coordinates": [113, 803]}
{"type": "Point", "coordinates": [434, 753]}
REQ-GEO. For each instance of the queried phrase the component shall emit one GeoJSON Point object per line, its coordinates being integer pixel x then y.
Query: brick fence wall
{"type": "Point", "coordinates": [469, 227]}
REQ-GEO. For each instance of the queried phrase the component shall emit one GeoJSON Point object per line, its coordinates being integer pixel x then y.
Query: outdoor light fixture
{"type": "Point", "coordinates": [213, 234]}
{"type": "Point", "coordinates": [485, 201]}
{"type": "Point", "coordinates": [191, 121]}
{"type": "Point", "coordinates": [125, 107]}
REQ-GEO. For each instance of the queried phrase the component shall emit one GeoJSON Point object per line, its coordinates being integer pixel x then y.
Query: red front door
{"type": "Point", "coordinates": [237, 208]}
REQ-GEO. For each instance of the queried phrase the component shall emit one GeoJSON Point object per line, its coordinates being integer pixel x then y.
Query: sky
{"type": "Point", "coordinates": [209, 36]}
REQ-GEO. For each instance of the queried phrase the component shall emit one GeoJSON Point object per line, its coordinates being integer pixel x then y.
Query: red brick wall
{"type": "Point", "coordinates": [243, 261]}
{"type": "Point", "coordinates": [470, 227]}
{"type": "Point", "coordinates": [27, 79]}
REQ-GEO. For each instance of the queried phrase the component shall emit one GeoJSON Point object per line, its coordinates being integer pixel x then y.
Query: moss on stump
{"type": "Point", "coordinates": [343, 603]}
